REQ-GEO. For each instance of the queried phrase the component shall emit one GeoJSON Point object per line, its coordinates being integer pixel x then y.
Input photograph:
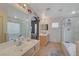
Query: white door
{"type": "Point", "coordinates": [55, 30]}
{"type": "Point", "coordinates": [1, 29]}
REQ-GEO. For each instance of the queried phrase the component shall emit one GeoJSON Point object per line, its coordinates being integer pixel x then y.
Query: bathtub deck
{"type": "Point", "coordinates": [71, 48]}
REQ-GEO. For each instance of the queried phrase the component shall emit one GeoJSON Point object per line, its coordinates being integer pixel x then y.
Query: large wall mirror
{"type": "Point", "coordinates": [13, 23]}
{"type": "Point", "coordinates": [13, 33]}
{"type": "Point", "coordinates": [16, 28]}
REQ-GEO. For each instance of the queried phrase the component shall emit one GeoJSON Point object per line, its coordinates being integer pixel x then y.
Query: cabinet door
{"type": "Point", "coordinates": [77, 49]}
{"type": "Point", "coordinates": [1, 29]}
{"type": "Point", "coordinates": [43, 40]}
{"type": "Point", "coordinates": [30, 52]}
{"type": "Point", "coordinates": [37, 47]}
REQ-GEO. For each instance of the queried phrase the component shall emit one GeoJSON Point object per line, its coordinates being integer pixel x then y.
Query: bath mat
{"type": "Point", "coordinates": [55, 52]}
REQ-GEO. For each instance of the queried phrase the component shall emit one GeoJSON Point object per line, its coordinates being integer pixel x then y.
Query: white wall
{"type": "Point", "coordinates": [61, 33]}
{"type": "Point", "coordinates": [55, 33]}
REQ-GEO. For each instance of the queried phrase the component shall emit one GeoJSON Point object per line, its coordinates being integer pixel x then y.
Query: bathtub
{"type": "Point", "coordinates": [71, 48]}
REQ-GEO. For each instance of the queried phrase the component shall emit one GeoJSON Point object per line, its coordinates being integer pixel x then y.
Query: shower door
{"type": "Point", "coordinates": [75, 29]}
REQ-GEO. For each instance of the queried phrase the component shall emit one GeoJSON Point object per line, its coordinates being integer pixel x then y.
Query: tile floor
{"type": "Point", "coordinates": [44, 51]}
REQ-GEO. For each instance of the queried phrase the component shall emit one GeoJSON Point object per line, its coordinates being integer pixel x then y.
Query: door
{"type": "Point", "coordinates": [55, 30]}
{"type": "Point", "coordinates": [1, 29]}
{"type": "Point", "coordinates": [35, 29]}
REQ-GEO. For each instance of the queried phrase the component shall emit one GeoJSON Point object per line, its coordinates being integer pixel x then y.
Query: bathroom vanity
{"type": "Point", "coordinates": [27, 48]}
{"type": "Point", "coordinates": [43, 39]}
{"type": "Point", "coordinates": [43, 36]}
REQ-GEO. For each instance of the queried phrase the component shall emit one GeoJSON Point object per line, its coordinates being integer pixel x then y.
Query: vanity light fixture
{"type": "Point", "coordinates": [24, 5]}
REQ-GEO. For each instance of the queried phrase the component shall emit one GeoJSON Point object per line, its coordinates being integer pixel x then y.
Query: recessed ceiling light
{"type": "Point", "coordinates": [73, 12]}
{"type": "Point", "coordinates": [47, 9]}
{"type": "Point", "coordinates": [15, 16]}
{"type": "Point", "coordinates": [60, 10]}
{"type": "Point", "coordinates": [24, 5]}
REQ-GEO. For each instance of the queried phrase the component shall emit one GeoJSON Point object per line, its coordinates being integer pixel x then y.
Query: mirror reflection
{"type": "Point", "coordinates": [16, 28]}
{"type": "Point", "coordinates": [14, 23]}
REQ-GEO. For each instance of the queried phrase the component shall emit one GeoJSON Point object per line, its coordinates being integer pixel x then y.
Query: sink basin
{"type": "Point", "coordinates": [17, 50]}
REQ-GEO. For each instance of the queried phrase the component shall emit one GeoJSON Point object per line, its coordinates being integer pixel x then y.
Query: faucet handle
{"type": "Point", "coordinates": [21, 37]}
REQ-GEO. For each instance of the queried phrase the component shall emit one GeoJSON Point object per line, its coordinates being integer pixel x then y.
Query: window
{"type": "Point", "coordinates": [55, 25]}
{"type": "Point", "coordinates": [13, 28]}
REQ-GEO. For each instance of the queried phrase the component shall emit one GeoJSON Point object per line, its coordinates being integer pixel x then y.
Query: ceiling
{"type": "Point", "coordinates": [55, 9]}
{"type": "Point", "coordinates": [43, 9]}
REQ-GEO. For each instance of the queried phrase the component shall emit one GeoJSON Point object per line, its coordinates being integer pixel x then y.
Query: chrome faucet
{"type": "Point", "coordinates": [18, 41]}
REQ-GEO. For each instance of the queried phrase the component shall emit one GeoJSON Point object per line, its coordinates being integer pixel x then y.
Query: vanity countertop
{"type": "Point", "coordinates": [12, 50]}
{"type": "Point", "coordinates": [43, 34]}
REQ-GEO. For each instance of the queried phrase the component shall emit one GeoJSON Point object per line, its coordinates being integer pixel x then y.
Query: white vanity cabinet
{"type": "Point", "coordinates": [29, 53]}
{"type": "Point", "coordinates": [33, 50]}
{"type": "Point", "coordinates": [27, 48]}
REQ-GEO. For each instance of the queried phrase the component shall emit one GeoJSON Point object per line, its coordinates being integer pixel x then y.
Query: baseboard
{"type": "Point", "coordinates": [53, 42]}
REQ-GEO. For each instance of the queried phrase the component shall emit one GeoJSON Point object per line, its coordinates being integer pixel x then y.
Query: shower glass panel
{"type": "Point", "coordinates": [75, 29]}
{"type": "Point", "coordinates": [71, 29]}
